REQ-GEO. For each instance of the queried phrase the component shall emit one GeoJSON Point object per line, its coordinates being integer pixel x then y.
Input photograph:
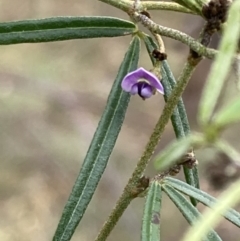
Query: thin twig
{"type": "Point", "coordinates": [127, 196]}
{"type": "Point", "coordinates": [175, 34]}
{"type": "Point", "coordinates": [148, 5]}
{"type": "Point", "coordinates": [168, 6]}
{"type": "Point", "coordinates": [136, 4]}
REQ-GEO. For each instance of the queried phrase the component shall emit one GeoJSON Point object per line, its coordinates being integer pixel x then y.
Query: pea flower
{"type": "Point", "coordinates": [142, 82]}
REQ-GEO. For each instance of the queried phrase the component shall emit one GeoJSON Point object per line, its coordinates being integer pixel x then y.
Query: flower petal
{"type": "Point", "coordinates": [146, 92]}
{"type": "Point", "coordinates": [134, 89]}
{"type": "Point", "coordinates": [133, 78]}
{"type": "Point", "coordinates": [151, 78]}
{"type": "Point", "coordinates": [129, 80]}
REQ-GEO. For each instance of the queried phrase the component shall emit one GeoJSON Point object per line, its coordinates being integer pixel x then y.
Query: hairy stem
{"type": "Point", "coordinates": [148, 5]}
{"type": "Point", "coordinates": [175, 34]}
{"type": "Point", "coordinates": [127, 195]}
{"type": "Point", "coordinates": [120, 4]}
{"type": "Point", "coordinates": [169, 6]}
{"type": "Point", "coordinates": [162, 122]}
{"type": "Point", "coordinates": [128, 6]}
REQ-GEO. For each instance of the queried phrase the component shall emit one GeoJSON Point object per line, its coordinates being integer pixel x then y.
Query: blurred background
{"type": "Point", "coordinates": [51, 99]}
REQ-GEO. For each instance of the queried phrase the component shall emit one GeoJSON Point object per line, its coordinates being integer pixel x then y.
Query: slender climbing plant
{"type": "Point", "coordinates": [221, 16]}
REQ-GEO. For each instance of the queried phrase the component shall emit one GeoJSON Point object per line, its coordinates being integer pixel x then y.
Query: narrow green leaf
{"type": "Point", "coordinates": [181, 107]}
{"type": "Point", "coordinates": [175, 151]}
{"type": "Point", "coordinates": [63, 28]}
{"type": "Point", "coordinates": [175, 118]}
{"type": "Point", "coordinates": [228, 150]}
{"type": "Point", "coordinates": [179, 118]}
{"type": "Point", "coordinates": [100, 149]}
{"type": "Point", "coordinates": [150, 46]}
{"type": "Point", "coordinates": [195, 6]}
{"type": "Point", "coordinates": [191, 175]}
{"type": "Point", "coordinates": [227, 115]}
{"type": "Point", "coordinates": [203, 197]}
{"type": "Point", "coordinates": [190, 213]}
{"type": "Point", "coordinates": [65, 22]}
{"type": "Point", "coordinates": [151, 215]}
{"type": "Point", "coordinates": [180, 124]}
{"type": "Point", "coordinates": [172, 153]}
{"type": "Point", "coordinates": [169, 83]}
{"type": "Point", "coordinates": [221, 65]}
{"type": "Point", "coordinates": [212, 217]}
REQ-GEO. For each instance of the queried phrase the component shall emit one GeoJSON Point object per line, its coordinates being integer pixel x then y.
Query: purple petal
{"type": "Point", "coordinates": [129, 80]}
{"type": "Point", "coordinates": [133, 78]}
{"type": "Point", "coordinates": [146, 92]}
{"type": "Point", "coordinates": [141, 73]}
{"type": "Point", "coordinates": [134, 89]}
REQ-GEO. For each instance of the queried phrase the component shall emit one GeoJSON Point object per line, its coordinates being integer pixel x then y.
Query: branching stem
{"type": "Point", "coordinates": [148, 5]}
{"type": "Point", "coordinates": [127, 196]}
{"type": "Point", "coordinates": [175, 34]}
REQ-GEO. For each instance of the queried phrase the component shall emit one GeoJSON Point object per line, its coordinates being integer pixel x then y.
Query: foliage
{"type": "Point", "coordinates": [223, 18]}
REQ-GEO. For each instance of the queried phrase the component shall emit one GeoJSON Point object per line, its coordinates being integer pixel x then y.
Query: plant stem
{"type": "Point", "coordinates": [163, 31]}
{"type": "Point", "coordinates": [136, 4]}
{"type": "Point", "coordinates": [191, 175]}
{"type": "Point", "coordinates": [120, 4]}
{"type": "Point", "coordinates": [162, 122]}
{"type": "Point", "coordinates": [116, 213]}
{"type": "Point", "coordinates": [174, 34]}
{"type": "Point", "coordinates": [169, 6]}
{"type": "Point", "coordinates": [127, 196]}
{"type": "Point", "coordinates": [148, 5]}
{"type": "Point", "coordinates": [179, 117]}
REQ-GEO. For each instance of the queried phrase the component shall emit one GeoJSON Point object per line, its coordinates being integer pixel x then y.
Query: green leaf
{"type": "Point", "coordinates": [150, 46]}
{"type": "Point", "coordinates": [195, 6]}
{"type": "Point", "coordinates": [228, 150]}
{"type": "Point", "coordinates": [100, 149]}
{"type": "Point", "coordinates": [175, 118]}
{"type": "Point", "coordinates": [191, 175]}
{"type": "Point", "coordinates": [228, 115]}
{"type": "Point", "coordinates": [212, 217]}
{"type": "Point", "coordinates": [190, 213]}
{"type": "Point", "coordinates": [63, 28]}
{"type": "Point", "coordinates": [221, 65]}
{"type": "Point", "coordinates": [203, 197]}
{"type": "Point", "coordinates": [172, 153]}
{"type": "Point", "coordinates": [176, 150]}
{"type": "Point", "coordinates": [179, 117]}
{"type": "Point", "coordinates": [151, 215]}
{"type": "Point", "coordinates": [168, 82]}
{"type": "Point", "coordinates": [180, 106]}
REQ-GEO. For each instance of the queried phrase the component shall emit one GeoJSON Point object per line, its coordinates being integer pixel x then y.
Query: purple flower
{"type": "Point", "coordinates": [142, 82]}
